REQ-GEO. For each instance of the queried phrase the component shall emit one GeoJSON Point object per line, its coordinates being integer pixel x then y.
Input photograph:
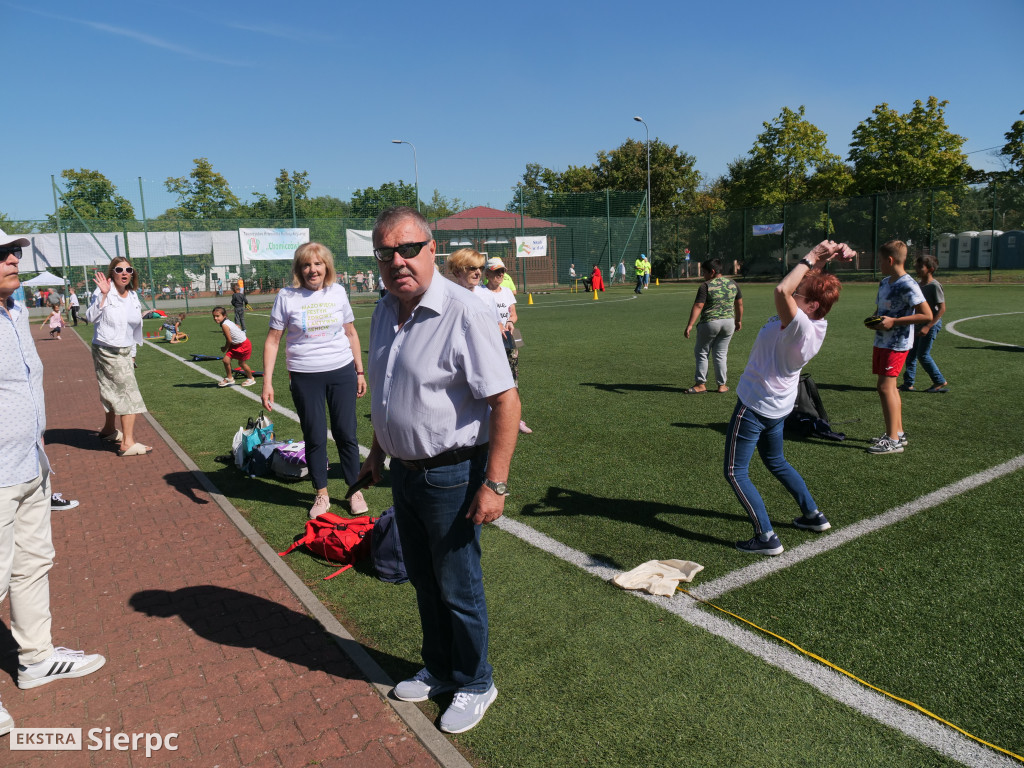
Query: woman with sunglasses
{"type": "Point", "coordinates": [504, 302]}
{"type": "Point", "coordinates": [466, 266]}
{"type": "Point", "coordinates": [116, 315]}
{"type": "Point", "coordinates": [325, 367]}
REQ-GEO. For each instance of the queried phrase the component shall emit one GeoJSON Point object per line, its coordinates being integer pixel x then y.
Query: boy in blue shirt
{"type": "Point", "coordinates": [900, 306]}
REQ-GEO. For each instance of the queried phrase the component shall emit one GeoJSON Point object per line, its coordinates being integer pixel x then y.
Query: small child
{"type": "Point", "coordinates": [56, 322]}
{"type": "Point", "coordinates": [901, 306]}
{"type": "Point", "coordinates": [172, 329]}
{"type": "Point", "coordinates": [925, 336]}
{"type": "Point", "coordinates": [237, 347]}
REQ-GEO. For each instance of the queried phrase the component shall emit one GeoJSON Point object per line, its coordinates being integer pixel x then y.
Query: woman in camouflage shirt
{"type": "Point", "coordinates": [719, 308]}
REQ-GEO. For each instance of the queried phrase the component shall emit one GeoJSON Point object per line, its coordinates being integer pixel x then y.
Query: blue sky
{"type": "Point", "coordinates": [141, 88]}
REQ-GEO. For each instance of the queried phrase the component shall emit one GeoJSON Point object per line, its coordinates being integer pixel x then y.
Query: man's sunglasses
{"type": "Point", "coordinates": [405, 250]}
{"type": "Point", "coordinates": [6, 251]}
{"type": "Point", "coordinates": [119, 270]}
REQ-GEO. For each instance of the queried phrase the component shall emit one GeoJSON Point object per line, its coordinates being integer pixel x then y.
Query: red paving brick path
{"type": "Point", "coordinates": [201, 637]}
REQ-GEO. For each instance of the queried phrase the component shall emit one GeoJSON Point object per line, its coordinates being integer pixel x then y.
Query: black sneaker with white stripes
{"type": "Point", "coordinates": [58, 502]}
{"type": "Point", "coordinates": [62, 663]}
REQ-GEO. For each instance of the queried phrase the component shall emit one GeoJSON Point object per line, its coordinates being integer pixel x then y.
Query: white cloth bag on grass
{"type": "Point", "coordinates": [659, 577]}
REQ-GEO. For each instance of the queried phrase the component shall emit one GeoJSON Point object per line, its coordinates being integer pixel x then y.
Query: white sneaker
{"type": "Point", "coordinates": [62, 663]}
{"type": "Point", "coordinates": [467, 710]}
{"type": "Point", "coordinates": [321, 504]}
{"type": "Point", "coordinates": [6, 721]}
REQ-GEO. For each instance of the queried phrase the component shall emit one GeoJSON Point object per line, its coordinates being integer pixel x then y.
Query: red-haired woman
{"type": "Point", "coordinates": [767, 393]}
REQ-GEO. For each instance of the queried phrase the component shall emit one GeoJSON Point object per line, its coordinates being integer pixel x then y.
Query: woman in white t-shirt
{"type": "Point", "coordinates": [325, 365]}
{"type": "Point", "coordinates": [505, 311]}
{"type": "Point", "coordinates": [767, 393]}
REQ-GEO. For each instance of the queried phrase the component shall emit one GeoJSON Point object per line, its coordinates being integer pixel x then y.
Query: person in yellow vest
{"type": "Point", "coordinates": [641, 270]}
{"type": "Point", "coordinates": [647, 272]}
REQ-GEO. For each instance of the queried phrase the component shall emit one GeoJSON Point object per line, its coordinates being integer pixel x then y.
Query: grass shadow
{"type": "Point", "coordinates": [565, 502]}
{"type": "Point", "coordinates": [844, 388]}
{"type": "Point", "coordinates": [719, 426]}
{"type": "Point", "coordinates": [623, 389]}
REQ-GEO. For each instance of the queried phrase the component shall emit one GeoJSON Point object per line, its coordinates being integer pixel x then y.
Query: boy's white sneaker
{"type": "Point", "coordinates": [62, 663]}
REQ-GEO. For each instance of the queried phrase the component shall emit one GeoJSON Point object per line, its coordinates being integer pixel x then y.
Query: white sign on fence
{"type": "Point", "coordinates": [532, 246]}
{"type": "Point", "coordinates": [266, 244]}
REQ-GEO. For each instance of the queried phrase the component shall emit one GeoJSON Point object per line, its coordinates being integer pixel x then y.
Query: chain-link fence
{"type": "Point", "coordinates": [181, 261]}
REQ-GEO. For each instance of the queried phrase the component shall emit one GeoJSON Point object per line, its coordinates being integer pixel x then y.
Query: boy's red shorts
{"type": "Point", "coordinates": [887, 362]}
{"type": "Point", "coordinates": [243, 352]}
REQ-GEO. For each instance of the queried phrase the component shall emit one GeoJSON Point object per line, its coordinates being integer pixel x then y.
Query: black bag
{"type": "Point", "coordinates": [809, 418]}
{"type": "Point", "coordinates": [386, 549]}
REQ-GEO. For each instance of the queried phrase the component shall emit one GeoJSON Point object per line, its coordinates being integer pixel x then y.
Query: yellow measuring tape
{"type": "Point", "coordinates": [829, 664]}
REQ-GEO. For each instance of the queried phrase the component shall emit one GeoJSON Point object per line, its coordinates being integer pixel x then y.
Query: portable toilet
{"type": "Point", "coordinates": [1010, 254]}
{"type": "Point", "coordinates": [945, 250]}
{"type": "Point", "coordinates": [987, 239]}
{"type": "Point", "coordinates": [966, 249]}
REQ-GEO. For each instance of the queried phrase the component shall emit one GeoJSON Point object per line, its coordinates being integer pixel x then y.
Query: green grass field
{"type": "Point", "coordinates": [623, 468]}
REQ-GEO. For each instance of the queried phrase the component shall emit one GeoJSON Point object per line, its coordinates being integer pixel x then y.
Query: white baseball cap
{"type": "Point", "coordinates": [15, 240]}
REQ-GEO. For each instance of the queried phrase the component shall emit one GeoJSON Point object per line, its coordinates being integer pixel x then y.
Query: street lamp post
{"type": "Point", "coordinates": [415, 167]}
{"type": "Point", "coordinates": [650, 254]}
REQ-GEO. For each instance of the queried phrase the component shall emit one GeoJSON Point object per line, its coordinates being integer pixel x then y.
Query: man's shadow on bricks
{"type": "Point", "coordinates": [79, 438]}
{"type": "Point", "coordinates": [230, 617]}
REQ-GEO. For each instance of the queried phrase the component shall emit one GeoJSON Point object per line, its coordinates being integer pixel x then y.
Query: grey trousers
{"type": "Point", "coordinates": [713, 335]}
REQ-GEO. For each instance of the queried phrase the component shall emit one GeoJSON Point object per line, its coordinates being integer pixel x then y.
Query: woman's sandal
{"type": "Point", "coordinates": [137, 449]}
{"type": "Point", "coordinates": [113, 437]}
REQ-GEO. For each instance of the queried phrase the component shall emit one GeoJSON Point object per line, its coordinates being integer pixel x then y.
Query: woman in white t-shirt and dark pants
{"type": "Point", "coordinates": [504, 302]}
{"type": "Point", "coordinates": [767, 393]}
{"type": "Point", "coordinates": [325, 366]}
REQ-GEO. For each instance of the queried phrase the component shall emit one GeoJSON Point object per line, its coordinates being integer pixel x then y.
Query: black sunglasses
{"type": "Point", "coordinates": [15, 251]}
{"type": "Point", "coordinates": [405, 250]}
{"type": "Point", "coordinates": [119, 270]}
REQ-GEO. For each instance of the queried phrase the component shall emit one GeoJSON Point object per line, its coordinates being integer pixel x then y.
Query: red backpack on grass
{"type": "Point", "coordinates": [341, 540]}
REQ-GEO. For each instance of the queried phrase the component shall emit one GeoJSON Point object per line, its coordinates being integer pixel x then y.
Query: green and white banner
{"type": "Point", "coordinates": [266, 244]}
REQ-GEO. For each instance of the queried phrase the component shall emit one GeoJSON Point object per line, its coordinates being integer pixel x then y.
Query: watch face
{"type": "Point", "coordinates": [498, 488]}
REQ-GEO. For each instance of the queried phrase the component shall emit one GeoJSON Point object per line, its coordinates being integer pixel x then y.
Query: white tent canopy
{"type": "Point", "coordinates": [44, 278]}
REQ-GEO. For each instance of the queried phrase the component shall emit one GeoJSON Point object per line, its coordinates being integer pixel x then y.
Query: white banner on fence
{"type": "Point", "coordinates": [767, 229]}
{"type": "Point", "coordinates": [532, 246]}
{"type": "Point", "coordinates": [265, 244]}
{"type": "Point", "coordinates": [359, 242]}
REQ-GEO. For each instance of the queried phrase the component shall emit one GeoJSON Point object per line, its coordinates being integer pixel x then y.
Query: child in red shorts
{"type": "Point", "coordinates": [237, 347]}
{"type": "Point", "coordinates": [901, 306]}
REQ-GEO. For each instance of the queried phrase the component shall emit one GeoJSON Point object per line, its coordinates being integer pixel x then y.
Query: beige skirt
{"type": "Point", "coordinates": [119, 392]}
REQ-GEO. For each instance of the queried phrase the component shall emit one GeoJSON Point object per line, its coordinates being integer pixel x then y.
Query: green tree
{"type": "Point", "coordinates": [16, 226]}
{"type": "Point", "coordinates": [893, 152]}
{"type": "Point", "coordinates": [1013, 150]}
{"type": "Point", "coordinates": [203, 194]}
{"type": "Point", "coordinates": [780, 166]}
{"type": "Point", "coordinates": [367, 203]}
{"type": "Point", "coordinates": [440, 206]}
{"type": "Point", "coordinates": [93, 196]}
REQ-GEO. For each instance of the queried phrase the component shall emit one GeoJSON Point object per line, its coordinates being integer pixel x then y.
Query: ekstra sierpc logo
{"type": "Point", "coordinates": [96, 739]}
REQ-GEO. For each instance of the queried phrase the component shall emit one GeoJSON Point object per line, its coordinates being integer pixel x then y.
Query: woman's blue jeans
{"type": "Point", "coordinates": [441, 549]}
{"type": "Point", "coordinates": [922, 352]}
{"type": "Point", "coordinates": [748, 430]}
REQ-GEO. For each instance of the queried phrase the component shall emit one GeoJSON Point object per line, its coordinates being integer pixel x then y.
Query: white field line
{"type": "Point", "coordinates": [766, 566]}
{"type": "Point", "coordinates": [278, 409]}
{"type": "Point", "coordinates": [917, 726]}
{"type": "Point", "coordinates": [952, 329]}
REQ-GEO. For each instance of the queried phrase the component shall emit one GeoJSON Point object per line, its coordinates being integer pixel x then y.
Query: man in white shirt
{"type": "Point", "coordinates": [26, 546]}
{"type": "Point", "coordinates": [445, 408]}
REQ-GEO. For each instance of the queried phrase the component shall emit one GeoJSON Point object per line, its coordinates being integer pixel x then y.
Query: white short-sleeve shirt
{"type": "Point", "coordinates": [430, 379]}
{"type": "Point", "coordinates": [769, 382]}
{"type": "Point", "coordinates": [314, 324]}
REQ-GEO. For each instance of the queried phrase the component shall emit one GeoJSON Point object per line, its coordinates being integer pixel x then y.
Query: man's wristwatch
{"type": "Point", "coordinates": [499, 488]}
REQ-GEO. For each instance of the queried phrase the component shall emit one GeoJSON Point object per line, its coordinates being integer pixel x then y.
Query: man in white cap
{"type": "Point", "coordinates": [26, 547]}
